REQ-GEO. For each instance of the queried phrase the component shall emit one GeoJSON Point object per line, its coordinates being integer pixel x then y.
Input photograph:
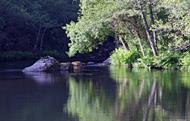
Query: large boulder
{"type": "Point", "coordinates": [44, 64]}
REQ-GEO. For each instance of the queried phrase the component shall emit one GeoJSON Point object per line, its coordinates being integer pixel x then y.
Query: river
{"type": "Point", "coordinates": [101, 94]}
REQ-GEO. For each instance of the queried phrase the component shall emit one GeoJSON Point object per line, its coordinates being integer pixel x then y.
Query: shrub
{"type": "Point", "coordinates": [185, 61]}
{"type": "Point", "coordinates": [145, 62]}
{"type": "Point", "coordinates": [165, 60]}
{"type": "Point", "coordinates": [121, 57]}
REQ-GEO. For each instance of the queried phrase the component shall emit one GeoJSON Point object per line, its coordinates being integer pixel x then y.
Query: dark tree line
{"type": "Point", "coordinates": [35, 25]}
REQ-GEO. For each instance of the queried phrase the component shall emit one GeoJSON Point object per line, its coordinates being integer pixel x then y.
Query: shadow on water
{"type": "Point", "coordinates": [114, 94]}
{"type": "Point", "coordinates": [33, 97]}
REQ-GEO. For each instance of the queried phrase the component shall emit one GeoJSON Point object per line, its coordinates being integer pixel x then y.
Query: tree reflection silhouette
{"type": "Point", "coordinates": [139, 95]}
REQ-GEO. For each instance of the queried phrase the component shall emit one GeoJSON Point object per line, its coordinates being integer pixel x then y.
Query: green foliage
{"type": "Point", "coordinates": [145, 62]}
{"type": "Point", "coordinates": [173, 23]}
{"type": "Point", "coordinates": [97, 20]}
{"type": "Point", "coordinates": [185, 61]}
{"type": "Point", "coordinates": [133, 22]}
{"type": "Point", "coordinates": [85, 35]}
{"type": "Point", "coordinates": [121, 57]}
{"type": "Point", "coordinates": [166, 60]}
{"type": "Point", "coordinates": [92, 26]}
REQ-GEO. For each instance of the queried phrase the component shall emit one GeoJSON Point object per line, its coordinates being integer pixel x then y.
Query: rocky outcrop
{"type": "Point", "coordinates": [48, 63]}
{"type": "Point", "coordinates": [44, 64]}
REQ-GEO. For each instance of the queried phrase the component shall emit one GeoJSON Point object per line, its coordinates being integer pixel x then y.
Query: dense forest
{"type": "Point", "coordinates": [146, 33]}
{"type": "Point", "coordinates": [149, 33]}
{"type": "Point", "coordinates": [29, 25]}
{"type": "Point", "coordinates": [30, 29]}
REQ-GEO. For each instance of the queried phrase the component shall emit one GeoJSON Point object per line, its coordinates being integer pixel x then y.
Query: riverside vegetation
{"type": "Point", "coordinates": [149, 33]}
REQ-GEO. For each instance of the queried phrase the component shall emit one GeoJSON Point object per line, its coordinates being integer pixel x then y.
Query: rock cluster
{"type": "Point", "coordinates": [48, 63]}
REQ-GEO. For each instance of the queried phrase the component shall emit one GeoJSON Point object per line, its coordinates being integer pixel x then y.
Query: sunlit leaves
{"type": "Point", "coordinates": [99, 19]}
{"type": "Point", "coordinates": [91, 28]}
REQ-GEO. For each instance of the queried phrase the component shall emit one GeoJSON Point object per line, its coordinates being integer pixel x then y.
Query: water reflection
{"type": "Point", "coordinates": [44, 78]}
{"type": "Point", "coordinates": [117, 94]}
{"type": "Point", "coordinates": [137, 96]}
{"type": "Point", "coordinates": [88, 104]}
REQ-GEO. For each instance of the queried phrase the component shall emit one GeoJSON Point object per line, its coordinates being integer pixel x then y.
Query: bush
{"type": "Point", "coordinates": [165, 60]}
{"type": "Point", "coordinates": [145, 62]}
{"type": "Point", "coordinates": [122, 57]}
{"type": "Point", "coordinates": [185, 61]}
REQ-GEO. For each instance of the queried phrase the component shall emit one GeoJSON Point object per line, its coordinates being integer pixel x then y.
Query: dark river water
{"type": "Point", "coordinates": [101, 94]}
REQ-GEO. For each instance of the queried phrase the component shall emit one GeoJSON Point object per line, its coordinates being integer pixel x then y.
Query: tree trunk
{"type": "Point", "coordinates": [125, 44]}
{"type": "Point", "coordinates": [42, 38]}
{"type": "Point", "coordinates": [154, 35]}
{"type": "Point", "coordinates": [139, 37]}
{"type": "Point", "coordinates": [116, 40]}
{"type": "Point", "coordinates": [141, 47]}
{"type": "Point", "coordinates": [148, 33]}
{"type": "Point", "coordinates": [151, 42]}
{"type": "Point", "coordinates": [37, 39]}
{"type": "Point", "coordinates": [151, 11]}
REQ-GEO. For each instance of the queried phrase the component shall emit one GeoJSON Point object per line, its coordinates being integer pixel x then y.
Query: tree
{"type": "Point", "coordinates": [108, 18]}
{"type": "Point", "coordinates": [47, 14]}
{"type": "Point", "coordinates": [24, 23]}
{"type": "Point", "coordinates": [91, 28]}
{"type": "Point", "coordinates": [131, 22]}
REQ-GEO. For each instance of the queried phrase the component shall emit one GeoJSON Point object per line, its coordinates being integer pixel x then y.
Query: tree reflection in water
{"type": "Point", "coordinates": [137, 96]}
{"type": "Point", "coordinates": [86, 104]}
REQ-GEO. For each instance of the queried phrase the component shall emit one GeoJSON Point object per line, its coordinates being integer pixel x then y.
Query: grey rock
{"type": "Point", "coordinates": [44, 64]}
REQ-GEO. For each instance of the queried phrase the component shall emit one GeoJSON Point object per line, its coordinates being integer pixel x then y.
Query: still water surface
{"type": "Point", "coordinates": [104, 94]}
